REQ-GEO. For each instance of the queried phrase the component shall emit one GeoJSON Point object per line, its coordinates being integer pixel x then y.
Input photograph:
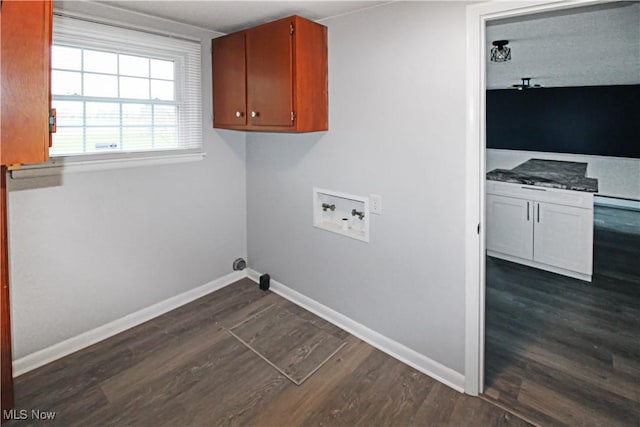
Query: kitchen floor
{"type": "Point", "coordinates": [560, 351]}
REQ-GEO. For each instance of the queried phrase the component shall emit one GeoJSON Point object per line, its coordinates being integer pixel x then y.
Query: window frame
{"type": "Point", "coordinates": [90, 34]}
{"type": "Point", "coordinates": [177, 102]}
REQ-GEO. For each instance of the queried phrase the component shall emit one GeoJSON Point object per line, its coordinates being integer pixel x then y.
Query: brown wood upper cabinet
{"type": "Point", "coordinates": [272, 77]}
{"type": "Point", "coordinates": [26, 81]}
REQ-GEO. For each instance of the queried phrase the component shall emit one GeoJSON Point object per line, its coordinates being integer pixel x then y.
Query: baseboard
{"type": "Point", "coordinates": [546, 267]}
{"type": "Point", "coordinates": [394, 349]}
{"type": "Point", "coordinates": [71, 345]}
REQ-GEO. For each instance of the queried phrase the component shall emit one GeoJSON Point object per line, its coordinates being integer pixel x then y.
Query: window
{"type": "Point", "coordinates": [119, 91]}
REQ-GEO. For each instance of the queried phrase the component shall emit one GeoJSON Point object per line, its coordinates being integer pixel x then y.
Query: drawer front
{"type": "Point", "coordinates": [579, 199]}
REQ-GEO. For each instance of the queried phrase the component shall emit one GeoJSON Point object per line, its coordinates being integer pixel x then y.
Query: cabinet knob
{"type": "Point", "coordinates": [254, 114]}
{"type": "Point", "coordinates": [239, 114]}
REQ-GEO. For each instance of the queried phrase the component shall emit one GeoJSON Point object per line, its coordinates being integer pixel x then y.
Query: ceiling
{"type": "Point", "coordinates": [581, 46]}
{"type": "Point", "coordinates": [230, 16]}
{"type": "Point", "coordinates": [586, 46]}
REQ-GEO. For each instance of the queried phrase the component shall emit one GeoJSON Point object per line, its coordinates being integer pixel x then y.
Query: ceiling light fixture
{"type": "Point", "coordinates": [526, 84]}
{"type": "Point", "coordinates": [500, 52]}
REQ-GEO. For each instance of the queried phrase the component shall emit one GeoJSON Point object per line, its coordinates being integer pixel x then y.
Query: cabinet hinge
{"type": "Point", "coordinates": [293, 116]}
{"type": "Point", "coordinates": [291, 29]}
{"type": "Point", "coordinates": [53, 121]}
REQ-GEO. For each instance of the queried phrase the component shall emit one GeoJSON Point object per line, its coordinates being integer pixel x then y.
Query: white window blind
{"type": "Point", "coordinates": [119, 91]}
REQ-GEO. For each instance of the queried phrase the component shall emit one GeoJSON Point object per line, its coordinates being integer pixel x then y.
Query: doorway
{"type": "Point", "coordinates": [477, 19]}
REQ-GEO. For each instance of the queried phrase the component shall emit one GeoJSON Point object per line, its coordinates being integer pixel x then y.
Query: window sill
{"type": "Point", "coordinates": [63, 165]}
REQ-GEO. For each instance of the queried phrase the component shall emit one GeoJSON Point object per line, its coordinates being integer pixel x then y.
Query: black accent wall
{"type": "Point", "coordinates": [599, 120]}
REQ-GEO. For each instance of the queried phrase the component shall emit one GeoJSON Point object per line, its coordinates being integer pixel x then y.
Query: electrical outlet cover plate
{"type": "Point", "coordinates": [375, 204]}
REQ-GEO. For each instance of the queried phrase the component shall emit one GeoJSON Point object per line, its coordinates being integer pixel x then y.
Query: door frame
{"type": "Point", "coordinates": [477, 16]}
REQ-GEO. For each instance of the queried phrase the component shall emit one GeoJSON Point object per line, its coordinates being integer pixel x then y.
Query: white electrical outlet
{"type": "Point", "coordinates": [375, 204]}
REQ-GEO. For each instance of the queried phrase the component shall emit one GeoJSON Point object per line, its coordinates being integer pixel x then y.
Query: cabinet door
{"type": "Point", "coordinates": [563, 237]}
{"type": "Point", "coordinates": [26, 76]}
{"type": "Point", "coordinates": [229, 80]}
{"type": "Point", "coordinates": [270, 74]}
{"type": "Point", "coordinates": [510, 226]}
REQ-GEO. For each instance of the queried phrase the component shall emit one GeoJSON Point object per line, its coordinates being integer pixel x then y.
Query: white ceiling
{"type": "Point", "coordinates": [581, 46]}
{"type": "Point", "coordinates": [587, 46]}
{"type": "Point", "coordinates": [230, 16]}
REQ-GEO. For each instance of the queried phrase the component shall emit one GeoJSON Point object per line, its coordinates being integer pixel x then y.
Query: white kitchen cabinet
{"type": "Point", "coordinates": [545, 228]}
{"type": "Point", "coordinates": [563, 237]}
{"type": "Point", "coordinates": [509, 226]}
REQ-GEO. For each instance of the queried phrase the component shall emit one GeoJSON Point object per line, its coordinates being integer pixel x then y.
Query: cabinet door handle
{"type": "Point", "coordinates": [527, 211]}
{"type": "Point", "coordinates": [239, 114]}
{"type": "Point", "coordinates": [254, 114]}
{"type": "Point", "coordinates": [538, 212]}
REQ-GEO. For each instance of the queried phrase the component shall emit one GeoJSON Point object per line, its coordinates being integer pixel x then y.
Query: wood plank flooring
{"type": "Point", "coordinates": [560, 351]}
{"type": "Point", "coordinates": [293, 345]}
{"type": "Point", "coordinates": [185, 369]}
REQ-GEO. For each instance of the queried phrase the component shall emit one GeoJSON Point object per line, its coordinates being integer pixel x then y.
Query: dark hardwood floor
{"type": "Point", "coordinates": [184, 368]}
{"type": "Point", "coordinates": [560, 351]}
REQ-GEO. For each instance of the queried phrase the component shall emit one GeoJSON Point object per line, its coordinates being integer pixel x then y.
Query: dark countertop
{"type": "Point", "coordinates": [548, 173]}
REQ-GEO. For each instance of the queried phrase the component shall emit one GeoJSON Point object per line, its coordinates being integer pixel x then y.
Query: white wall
{"type": "Point", "coordinates": [617, 176]}
{"type": "Point", "coordinates": [89, 248]}
{"type": "Point", "coordinates": [397, 114]}
{"type": "Point", "coordinates": [586, 46]}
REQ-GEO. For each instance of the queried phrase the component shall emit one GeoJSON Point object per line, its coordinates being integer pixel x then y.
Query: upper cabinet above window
{"type": "Point", "coordinates": [272, 77]}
